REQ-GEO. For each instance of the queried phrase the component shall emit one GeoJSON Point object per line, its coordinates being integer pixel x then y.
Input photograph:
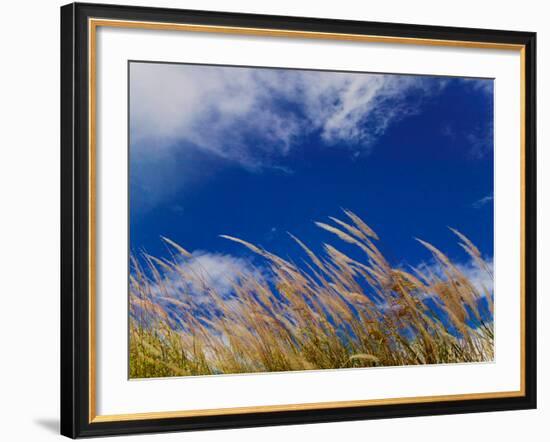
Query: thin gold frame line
{"type": "Point", "coordinates": [92, 27]}
{"type": "Point", "coordinates": [298, 407]}
{"type": "Point", "coordinates": [302, 34]}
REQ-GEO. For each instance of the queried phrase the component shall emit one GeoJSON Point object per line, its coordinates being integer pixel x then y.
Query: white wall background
{"type": "Point", "coordinates": [29, 219]}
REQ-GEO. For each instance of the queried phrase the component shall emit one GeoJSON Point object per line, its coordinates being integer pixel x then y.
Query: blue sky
{"type": "Point", "coordinates": [256, 153]}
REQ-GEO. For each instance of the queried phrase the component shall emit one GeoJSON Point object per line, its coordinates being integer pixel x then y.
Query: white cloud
{"type": "Point", "coordinates": [218, 271]}
{"type": "Point", "coordinates": [482, 202]}
{"type": "Point", "coordinates": [206, 271]}
{"type": "Point", "coordinates": [194, 284]}
{"type": "Point", "coordinates": [480, 278]}
{"type": "Point", "coordinates": [186, 118]}
{"type": "Point", "coordinates": [480, 141]}
{"type": "Point", "coordinates": [256, 116]}
{"type": "Point", "coordinates": [481, 84]}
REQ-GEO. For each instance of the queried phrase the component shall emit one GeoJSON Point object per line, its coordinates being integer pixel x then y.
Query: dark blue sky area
{"type": "Point", "coordinates": [428, 170]}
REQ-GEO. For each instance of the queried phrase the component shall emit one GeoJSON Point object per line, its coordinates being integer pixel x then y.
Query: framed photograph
{"type": "Point", "coordinates": [274, 220]}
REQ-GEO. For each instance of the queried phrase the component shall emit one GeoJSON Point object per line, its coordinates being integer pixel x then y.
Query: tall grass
{"type": "Point", "coordinates": [332, 311]}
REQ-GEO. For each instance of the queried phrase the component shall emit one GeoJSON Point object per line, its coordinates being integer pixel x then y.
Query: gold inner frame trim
{"type": "Point", "coordinates": [93, 24]}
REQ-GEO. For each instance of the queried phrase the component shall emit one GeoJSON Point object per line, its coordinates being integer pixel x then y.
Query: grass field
{"type": "Point", "coordinates": [331, 311]}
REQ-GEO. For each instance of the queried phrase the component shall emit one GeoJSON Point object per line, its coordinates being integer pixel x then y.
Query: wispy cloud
{"type": "Point", "coordinates": [188, 120]}
{"type": "Point", "coordinates": [482, 202]}
{"type": "Point", "coordinates": [480, 84]}
{"type": "Point", "coordinates": [481, 141]}
{"type": "Point", "coordinates": [478, 140]}
{"type": "Point", "coordinates": [255, 116]}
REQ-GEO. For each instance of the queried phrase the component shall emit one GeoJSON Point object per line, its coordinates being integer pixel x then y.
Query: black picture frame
{"type": "Point", "coordinates": [75, 219]}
